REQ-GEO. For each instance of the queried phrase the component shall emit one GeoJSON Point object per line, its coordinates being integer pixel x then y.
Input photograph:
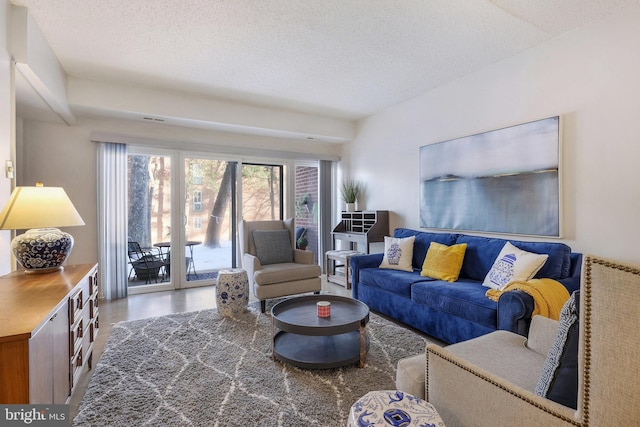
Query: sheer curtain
{"type": "Point", "coordinates": [112, 219]}
{"type": "Point", "coordinates": [325, 178]}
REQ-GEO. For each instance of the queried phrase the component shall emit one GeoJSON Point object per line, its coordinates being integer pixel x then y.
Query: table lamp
{"type": "Point", "coordinates": [41, 249]}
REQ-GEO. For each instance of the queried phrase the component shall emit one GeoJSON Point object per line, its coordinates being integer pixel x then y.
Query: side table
{"type": "Point", "coordinates": [392, 408]}
{"type": "Point", "coordinates": [232, 291]}
{"type": "Point", "coordinates": [337, 263]}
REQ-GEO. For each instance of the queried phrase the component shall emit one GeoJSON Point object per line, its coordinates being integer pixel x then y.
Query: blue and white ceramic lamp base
{"type": "Point", "coordinates": [42, 250]}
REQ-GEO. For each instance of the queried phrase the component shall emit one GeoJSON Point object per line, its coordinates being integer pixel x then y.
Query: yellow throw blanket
{"type": "Point", "coordinates": [548, 295]}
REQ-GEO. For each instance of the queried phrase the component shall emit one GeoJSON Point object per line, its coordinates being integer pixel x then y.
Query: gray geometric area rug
{"type": "Point", "coordinates": [202, 369]}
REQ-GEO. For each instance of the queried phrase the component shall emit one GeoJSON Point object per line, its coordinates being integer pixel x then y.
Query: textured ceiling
{"type": "Point", "coordinates": [341, 58]}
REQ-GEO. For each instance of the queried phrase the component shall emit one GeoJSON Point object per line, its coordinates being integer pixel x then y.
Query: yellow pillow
{"type": "Point", "coordinates": [443, 262]}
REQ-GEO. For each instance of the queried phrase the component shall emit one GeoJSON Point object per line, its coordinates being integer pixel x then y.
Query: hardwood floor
{"type": "Point", "coordinates": [156, 304]}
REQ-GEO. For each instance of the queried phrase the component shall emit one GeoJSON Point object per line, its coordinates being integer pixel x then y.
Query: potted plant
{"type": "Point", "coordinates": [302, 242]}
{"type": "Point", "coordinates": [350, 191]}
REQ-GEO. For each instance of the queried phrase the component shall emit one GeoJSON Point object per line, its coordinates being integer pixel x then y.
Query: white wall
{"type": "Point", "coordinates": [589, 76]}
{"type": "Point", "coordinates": [64, 156]}
{"type": "Point", "coordinates": [7, 121]}
{"type": "Point", "coordinates": [37, 62]}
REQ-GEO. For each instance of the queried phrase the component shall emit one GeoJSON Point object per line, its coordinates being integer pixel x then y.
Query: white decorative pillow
{"type": "Point", "coordinates": [513, 264]}
{"type": "Point", "coordinates": [398, 253]}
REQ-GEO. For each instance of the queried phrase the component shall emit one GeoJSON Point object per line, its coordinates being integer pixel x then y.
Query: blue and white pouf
{"type": "Point", "coordinates": [232, 291]}
{"type": "Point", "coordinates": [392, 408]}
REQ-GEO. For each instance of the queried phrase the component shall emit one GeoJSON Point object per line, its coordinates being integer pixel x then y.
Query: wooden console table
{"type": "Point", "coordinates": [48, 324]}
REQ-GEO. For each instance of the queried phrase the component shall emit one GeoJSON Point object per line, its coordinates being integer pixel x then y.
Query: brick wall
{"type": "Point", "coordinates": [307, 213]}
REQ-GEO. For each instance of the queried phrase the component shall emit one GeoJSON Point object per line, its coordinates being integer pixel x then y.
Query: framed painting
{"type": "Point", "coordinates": [503, 181]}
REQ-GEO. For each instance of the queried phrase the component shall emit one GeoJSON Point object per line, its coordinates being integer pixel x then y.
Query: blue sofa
{"type": "Point", "coordinates": [454, 312]}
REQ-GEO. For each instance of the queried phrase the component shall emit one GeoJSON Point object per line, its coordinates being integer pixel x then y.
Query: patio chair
{"type": "Point", "coordinates": [144, 263]}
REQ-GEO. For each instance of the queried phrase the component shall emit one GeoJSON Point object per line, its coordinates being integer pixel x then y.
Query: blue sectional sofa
{"type": "Point", "coordinates": [457, 311]}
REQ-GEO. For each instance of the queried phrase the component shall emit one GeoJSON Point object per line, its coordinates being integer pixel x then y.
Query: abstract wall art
{"type": "Point", "coordinates": [503, 181]}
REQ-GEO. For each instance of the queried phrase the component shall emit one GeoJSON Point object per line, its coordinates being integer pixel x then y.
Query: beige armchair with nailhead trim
{"type": "Point", "coordinates": [466, 394]}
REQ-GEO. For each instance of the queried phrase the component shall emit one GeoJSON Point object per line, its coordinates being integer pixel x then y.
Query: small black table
{"type": "Point", "coordinates": [303, 339]}
{"type": "Point", "coordinates": [191, 266]}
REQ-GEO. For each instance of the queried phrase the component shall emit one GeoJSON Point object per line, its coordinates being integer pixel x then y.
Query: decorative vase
{"type": "Point", "coordinates": [351, 207]}
{"type": "Point", "coordinates": [232, 291]}
{"type": "Point", "coordinates": [42, 250]}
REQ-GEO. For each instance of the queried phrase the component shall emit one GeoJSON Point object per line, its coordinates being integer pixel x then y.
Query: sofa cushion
{"type": "Point", "coordinates": [483, 251]}
{"type": "Point", "coordinates": [273, 246]}
{"type": "Point", "coordinates": [464, 298]}
{"type": "Point", "coordinates": [513, 264]}
{"type": "Point", "coordinates": [398, 253]}
{"type": "Point", "coordinates": [397, 281]}
{"type": "Point", "coordinates": [542, 334]}
{"type": "Point", "coordinates": [410, 375]}
{"type": "Point", "coordinates": [422, 242]}
{"type": "Point", "coordinates": [559, 379]}
{"type": "Point", "coordinates": [443, 262]}
{"type": "Point", "coordinates": [504, 354]}
{"type": "Point", "coordinates": [285, 272]}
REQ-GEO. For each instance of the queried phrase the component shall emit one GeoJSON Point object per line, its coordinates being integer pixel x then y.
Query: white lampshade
{"type": "Point", "coordinates": [42, 248]}
{"type": "Point", "coordinates": [38, 207]}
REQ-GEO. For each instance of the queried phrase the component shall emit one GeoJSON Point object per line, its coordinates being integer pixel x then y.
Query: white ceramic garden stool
{"type": "Point", "coordinates": [392, 408]}
{"type": "Point", "coordinates": [232, 291]}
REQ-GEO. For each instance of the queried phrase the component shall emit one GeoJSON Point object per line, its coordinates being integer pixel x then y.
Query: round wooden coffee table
{"type": "Point", "coordinates": [303, 339]}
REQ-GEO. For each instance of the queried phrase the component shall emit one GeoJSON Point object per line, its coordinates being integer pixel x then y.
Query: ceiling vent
{"type": "Point", "coordinates": [153, 119]}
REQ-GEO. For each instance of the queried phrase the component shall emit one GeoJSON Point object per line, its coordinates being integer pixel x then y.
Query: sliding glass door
{"type": "Point", "coordinates": [149, 212]}
{"type": "Point", "coordinates": [209, 217]}
{"type": "Point", "coordinates": [183, 213]}
{"type": "Point", "coordinates": [262, 192]}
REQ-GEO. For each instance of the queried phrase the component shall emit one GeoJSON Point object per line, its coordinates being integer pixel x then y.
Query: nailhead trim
{"type": "Point", "coordinates": [511, 392]}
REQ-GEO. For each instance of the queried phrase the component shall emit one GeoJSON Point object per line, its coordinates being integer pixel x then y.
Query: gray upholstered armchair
{"type": "Point", "coordinates": [491, 380]}
{"type": "Point", "coordinates": [274, 267]}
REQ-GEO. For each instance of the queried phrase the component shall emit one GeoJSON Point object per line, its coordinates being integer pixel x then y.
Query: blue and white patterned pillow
{"type": "Point", "coordinates": [513, 264]}
{"type": "Point", "coordinates": [398, 253]}
{"type": "Point", "coordinates": [559, 379]}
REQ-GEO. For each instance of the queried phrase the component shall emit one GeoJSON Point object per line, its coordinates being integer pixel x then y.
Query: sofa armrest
{"type": "Point", "coordinates": [251, 264]}
{"type": "Point", "coordinates": [465, 394]}
{"type": "Point", "coordinates": [515, 309]}
{"type": "Point", "coordinates": [358, 262]}
{"type": "Point", "coordinates": [572, 283]}
{"type": "Point", "coordinates": [542, 334]}
{"type": "Point", "coordinates": [303, 257]}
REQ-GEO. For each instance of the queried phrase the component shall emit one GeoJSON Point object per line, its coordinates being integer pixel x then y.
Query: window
{"type": "Point", "coordinates": [197, 223]}
{"type": "Point", "coordinates": [197, 201]}
{"type": "Point", "coordinates": [196, 175]}
{"type": "Point", "coordinates": [149, 205]}
{"type": "Point", "coordinates": [262, 192]}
